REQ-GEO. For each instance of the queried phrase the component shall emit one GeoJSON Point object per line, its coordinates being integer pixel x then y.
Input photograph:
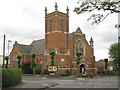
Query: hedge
{"type": "Point", "coordinates": [11, 76]}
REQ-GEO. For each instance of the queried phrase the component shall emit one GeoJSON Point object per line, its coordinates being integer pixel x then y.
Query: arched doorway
{"type": "Point", "coordinates": [83, 69]}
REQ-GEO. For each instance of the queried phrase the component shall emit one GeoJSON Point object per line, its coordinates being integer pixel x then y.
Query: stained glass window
{"type": "Point", "coordinates": [79, 47]}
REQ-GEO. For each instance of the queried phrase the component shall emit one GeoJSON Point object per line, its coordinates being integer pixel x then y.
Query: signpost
{"type": "Point", "coordinates": [52, 69]}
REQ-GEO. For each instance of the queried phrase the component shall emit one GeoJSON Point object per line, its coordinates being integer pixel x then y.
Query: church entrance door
{"type": "Point", "coordinates": [82, 69]}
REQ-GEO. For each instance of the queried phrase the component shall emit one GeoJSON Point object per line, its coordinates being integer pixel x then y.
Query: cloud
{"type": "Point", "coordinates": [23, 32]}
{"type": "Point", "coordinates": [23, 20]}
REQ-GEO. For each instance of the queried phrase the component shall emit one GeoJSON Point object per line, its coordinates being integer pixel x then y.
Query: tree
{"type": "Point", "coordinates": [6, 58]}
{"type": "Point", "coordinates": [19, 60]}
{"type": "Point", "coordinates": [33, 64]}
{"type": "Point", "coordinates": [52, 53]}
{"type": "Point", "coordinates": [79, 56]}
{"type": "Point", "coordinates": [106, 64]}
{"type": "Point", "coordinates": [114, 50]}
{"type": "Point", "coordinates": [109, 7]}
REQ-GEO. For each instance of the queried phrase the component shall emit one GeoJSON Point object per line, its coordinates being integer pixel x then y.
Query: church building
{"type": "Point", "coordinates": [65, 44]}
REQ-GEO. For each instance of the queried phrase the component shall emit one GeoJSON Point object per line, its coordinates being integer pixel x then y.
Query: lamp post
{"type": "Point", "coordinates": [9, 46]}
{"type": "Point", "coordinates": [4, 51]}
{"type": "Point", "coordinates": [8, 51]}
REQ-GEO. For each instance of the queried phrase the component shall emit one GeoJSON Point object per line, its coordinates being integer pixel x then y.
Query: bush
{"type": "Point", "coordinates": [68, 72]}
{"type": "Point", "coordinates": [101, 73]}
{"type": "Point", "coordinates": [45, 72]}
{"type": "Point", "coordinates": [112, 73]}
{"type": "Point", "coordinates": [38, 71]}
{"type": "Point", "coordinates": [26, 68]}
{"type": "Point", "coordinates": [11, 76]}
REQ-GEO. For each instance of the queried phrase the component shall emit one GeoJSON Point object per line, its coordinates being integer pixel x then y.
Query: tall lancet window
{"type": "Point", "coordinates": [61, 25]}
{"type": "Point", "coordinates": [79, 47]}
{"type": "Point", "coordinates": [51, 25]}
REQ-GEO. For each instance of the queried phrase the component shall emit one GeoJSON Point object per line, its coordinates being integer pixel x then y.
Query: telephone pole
{"type": "Point", "coordinates": [4, 51]}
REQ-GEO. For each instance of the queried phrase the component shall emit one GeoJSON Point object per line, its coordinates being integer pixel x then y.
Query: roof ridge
{"type": "Point", "coordinates": [24, 45]}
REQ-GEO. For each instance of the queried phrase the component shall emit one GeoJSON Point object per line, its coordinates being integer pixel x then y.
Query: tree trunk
{"type": "Point", "coordinates": [33, 71]}
{"type": "Point", "coordinates": [78, 71]}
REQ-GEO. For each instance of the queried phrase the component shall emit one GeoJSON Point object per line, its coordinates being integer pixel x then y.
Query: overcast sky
{"type": "Point", "coordinates": [23, 21]}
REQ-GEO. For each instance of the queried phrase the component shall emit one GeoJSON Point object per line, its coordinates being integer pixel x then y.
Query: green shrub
{"type": "Point", "coordinates": [11, 76]}
{"type": "Point", "coordinates": [38, 71]}
{"type": "Point", "coordinates": [26, 68]}
{"type": "Point", "coordinates": [45, 72]}
{"type": "Point", "coordinates": [67, 72]}
{"type": "Point", "coordinates": [112, 73]}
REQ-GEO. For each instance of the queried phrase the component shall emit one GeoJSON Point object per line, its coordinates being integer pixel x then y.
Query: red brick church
{"type": "Point", "coordinates": [58, 38]}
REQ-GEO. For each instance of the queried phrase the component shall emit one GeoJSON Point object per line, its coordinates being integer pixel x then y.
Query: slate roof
{"type": "Point", "coordinates": [70, 36]}
{"type": "Point", "coordinates": [36, 47]}
{"type": "Point", "coordinates": [26, 49]}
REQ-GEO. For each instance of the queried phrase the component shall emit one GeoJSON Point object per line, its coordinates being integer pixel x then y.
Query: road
{"type": "Point", "coordinates": [100, 82]}
{"type": "Point", "coordinates": [68, 82]}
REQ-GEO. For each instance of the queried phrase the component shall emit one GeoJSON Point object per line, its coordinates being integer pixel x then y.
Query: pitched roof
{"type": "Point", "coordinates": [38, 46]}
{"type": "Point", "coordinates": [79, 30]}
{"type": "Point", "coordinates": [26, 49]}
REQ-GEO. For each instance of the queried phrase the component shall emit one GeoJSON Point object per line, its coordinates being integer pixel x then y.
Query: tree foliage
{"type": "Point", "coordinates": [79, 56]}
{"type": "Point", "coordinates": [106, 63]}
{"type": "Point", "coordinates": [33, 64]}
{"type": "Point", "coordinates": [52, 53]}
{"type": "Point", "coordinates": [109, 7]}
{"type": "Point", "coordinates": [114, 53]}
{"type": "Point", "coordinates": [19, 60]}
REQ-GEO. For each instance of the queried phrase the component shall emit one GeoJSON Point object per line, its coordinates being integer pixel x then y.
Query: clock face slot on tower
{"type": "Point", "coordinates": [51, 25]}
{"type": "Point", "coordinates": [62, 25]}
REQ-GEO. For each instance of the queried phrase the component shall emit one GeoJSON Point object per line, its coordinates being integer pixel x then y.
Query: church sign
{"type": "Point", "coordinates": [52, 68]}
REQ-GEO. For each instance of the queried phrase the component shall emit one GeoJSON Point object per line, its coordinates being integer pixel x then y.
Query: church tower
{"type": "Point", "coordinates": [56, 31]}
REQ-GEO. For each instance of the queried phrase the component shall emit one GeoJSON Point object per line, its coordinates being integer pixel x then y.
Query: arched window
{"type": "Point", "coordinates": [79, 47]}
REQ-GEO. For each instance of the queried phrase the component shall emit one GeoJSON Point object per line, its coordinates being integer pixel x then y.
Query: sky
{"type": "Point", "coordinates": [23, 21]}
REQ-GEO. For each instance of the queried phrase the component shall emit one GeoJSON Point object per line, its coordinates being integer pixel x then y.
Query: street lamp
{"type": "Point", "coordinates": [8, 46]}
{"type": "Point", "coordinates": [8, 51]}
